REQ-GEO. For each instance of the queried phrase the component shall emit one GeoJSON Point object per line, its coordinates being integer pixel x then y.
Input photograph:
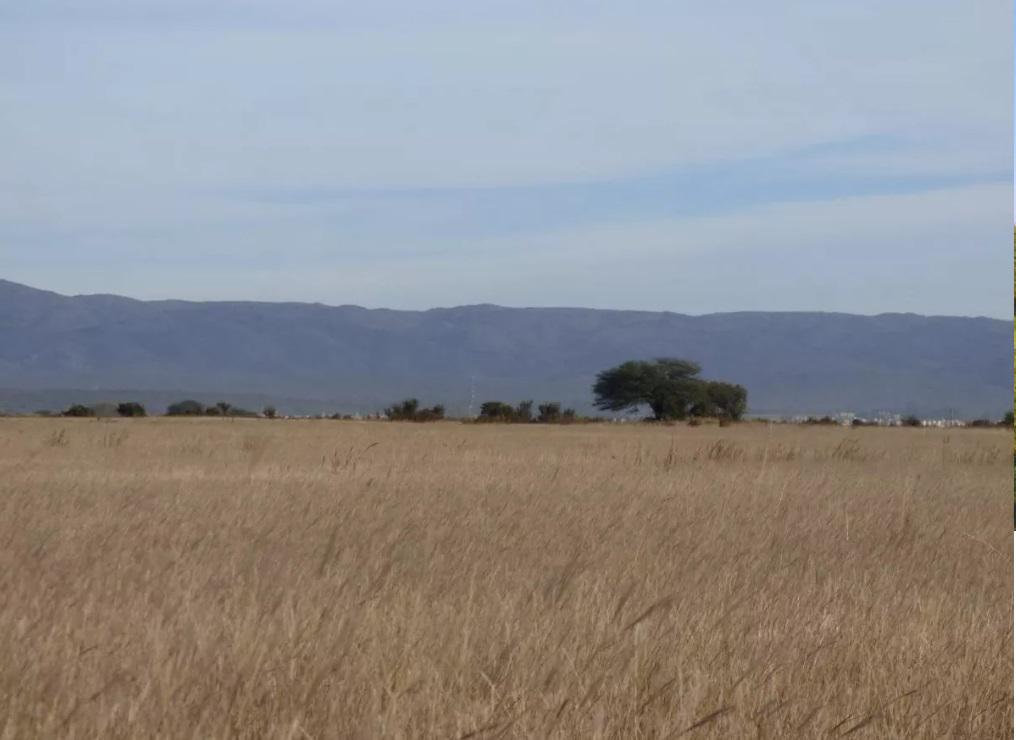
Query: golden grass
{"type": "Point", "coordinates": [217, 578]}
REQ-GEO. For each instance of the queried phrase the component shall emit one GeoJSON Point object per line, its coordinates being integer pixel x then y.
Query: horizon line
{"type": "Point", "coordinates": [495, 306]}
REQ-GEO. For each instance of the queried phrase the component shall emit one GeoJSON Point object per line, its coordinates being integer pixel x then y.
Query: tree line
{"type": "Point", "coordinates": [127, 408]}
{"type": "Point", "coordinates": [490, 411]}
{"type": "Point", "coordinates": [669, 387]}
{"type": "Point", "coordinates": [180, 408]}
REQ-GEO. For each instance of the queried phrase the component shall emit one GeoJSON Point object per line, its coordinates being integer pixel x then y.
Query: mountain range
{"type": "Point", "coordinates": [309, 358]}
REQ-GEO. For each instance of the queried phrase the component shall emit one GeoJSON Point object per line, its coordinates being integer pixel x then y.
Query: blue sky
{"type": "Point", "coordinates": [692, 157]}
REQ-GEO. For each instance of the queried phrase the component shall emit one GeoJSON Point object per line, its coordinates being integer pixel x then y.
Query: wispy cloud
{"type": "Point", "coordinates": [315, 139]}
{"type": "Point", "coordinates": [817, 173]}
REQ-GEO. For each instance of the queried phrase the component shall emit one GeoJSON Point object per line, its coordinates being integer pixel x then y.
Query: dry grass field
{"type": "Point", "coordinates": [317, 579]}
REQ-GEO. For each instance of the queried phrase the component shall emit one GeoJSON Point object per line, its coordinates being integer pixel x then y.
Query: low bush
{"type": "Point", "coordinates": [79, 410]}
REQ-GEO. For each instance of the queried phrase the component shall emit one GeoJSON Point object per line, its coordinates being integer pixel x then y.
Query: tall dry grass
{"type": "Point", "coordinates": [216, 578]}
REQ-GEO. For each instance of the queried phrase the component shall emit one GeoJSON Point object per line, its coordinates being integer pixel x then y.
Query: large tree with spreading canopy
{"type": "Point", "coordinates": [670, 387]}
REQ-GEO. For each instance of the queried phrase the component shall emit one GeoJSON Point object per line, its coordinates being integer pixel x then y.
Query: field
{"type": "Point", "coordinates": [319, 579]}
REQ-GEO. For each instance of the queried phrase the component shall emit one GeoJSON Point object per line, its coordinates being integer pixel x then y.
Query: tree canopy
{"type": "Point", "coordinates": [79, 410]}
{"type": "Point", "coordinates": [670, 387]}
{"type": "Point", "coordinates": [186, 408]}
{"type": "Point", "coordinates": [410, 410]}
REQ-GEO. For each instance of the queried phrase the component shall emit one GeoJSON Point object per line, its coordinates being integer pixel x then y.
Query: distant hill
{"type": "Point", "coordinates": [311, 357]}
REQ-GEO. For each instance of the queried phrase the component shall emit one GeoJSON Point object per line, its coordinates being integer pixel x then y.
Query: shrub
{"type": "Point", "coordinates": [269, 412]}
{"type": "Point", "coordinates": [130, 408]}
{"type": "Point", "coordinates": [434, 413]}
{"type": "Point", "coordinates": [194, 408]}
{"type": "Point", "coordinates": [911, 421]}
{"type": "Point", "coordinates": [79, 410]}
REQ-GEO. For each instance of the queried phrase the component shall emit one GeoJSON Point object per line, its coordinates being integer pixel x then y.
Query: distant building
{"type": "Point", "coordinates": [888, 419]}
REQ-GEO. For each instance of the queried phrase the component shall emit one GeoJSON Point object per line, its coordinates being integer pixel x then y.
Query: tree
{"type": "Point", "coordinates": [79, 410]}
{"type": "Point", "coordinates": [434, 413]}
{"type": "Point", "coordinates": [550, 413]}
{"type": "Point", "coordinates": [727, 400]}
{"type": "Point", "coordinates": [1007, 420]}
{"type": "Point", "coordinates": [269, 412]}
{"type": "Point", "coordinates": [130, 408]}
{"type": "Point", "coordinates": [702, 403]}
{"type": "Point", "coordinates": [404, 411]}
{"type": "Point", "coordinates": [824, 420]}
{"type": "Point", "coordinates": [409, 410]}
{"type": "Point", "coordinates": [524, 412]}
{"type": "Point", "coordinates": [185, 408]}
{"type": "Point", "coordinates": [496, 411]}
{"type": "Point", "coordinates": [669, 387]}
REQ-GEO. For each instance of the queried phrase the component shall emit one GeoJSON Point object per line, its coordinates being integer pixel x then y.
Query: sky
{"type": "Point", "coordinates": [682, 156]}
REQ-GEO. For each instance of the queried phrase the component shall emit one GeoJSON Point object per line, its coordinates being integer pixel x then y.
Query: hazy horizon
{"type": "Point", "coordinates": [735, 157]}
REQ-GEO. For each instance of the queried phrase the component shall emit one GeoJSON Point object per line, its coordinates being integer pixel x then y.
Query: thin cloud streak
{"type": "Point", "coordinates": [251, 149]}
